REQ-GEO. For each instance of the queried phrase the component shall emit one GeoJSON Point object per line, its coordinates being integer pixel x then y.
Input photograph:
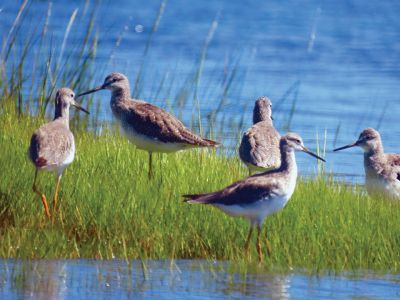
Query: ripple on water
{"type": "Point", "coordinates": [180, 279]}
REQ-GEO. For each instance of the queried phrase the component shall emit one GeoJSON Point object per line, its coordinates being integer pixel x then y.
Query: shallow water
{"type": "Point", "coordinates": [340, 56]}
{"type": "Point", "coordinates": [181, 279]}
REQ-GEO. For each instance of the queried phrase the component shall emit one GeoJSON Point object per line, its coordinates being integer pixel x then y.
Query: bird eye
{"type": "Point", "coordinates": [298, 141]}
{"type": "Point", "coordinates": [72, 95]}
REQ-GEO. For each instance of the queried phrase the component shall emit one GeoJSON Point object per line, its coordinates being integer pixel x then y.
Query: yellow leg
{"type": "Point", "coordinates": [150, 174]}
{"type": "Point", "coordinates": [42, 196]}
{"type": "Point", "coordinates": [246, 245]}
{"type": "Point", "coordinates": [55, 199]}
{"type": "Point", "coordinates": [258, 245]}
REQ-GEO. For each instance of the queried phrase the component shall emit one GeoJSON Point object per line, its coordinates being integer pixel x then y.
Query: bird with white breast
{"type": "Point", "coordinates": [260, 195]}
{"type": "Point", "coordinates": [147, 126]}
{"type": "Point", "coordinates": [52, 146]}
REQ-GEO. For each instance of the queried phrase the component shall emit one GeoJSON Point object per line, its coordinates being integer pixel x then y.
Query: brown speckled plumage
{"type": "Point", "coordinates": [138, 117]}
{"type": "Point", "coordinates": [382, 170]}
{"type": "Point", "coordinates": [260, 195]}
{"type": "Point", "coordinates": [253, 188]}
{"type": "Point", "coordinates": [147, 126]}
{"type": "Point", "coordinates": [259, 148]}
{"type": "Point", "coordinates": [51, 144]}
{"type": "Point", "coordinates": [156, 123]}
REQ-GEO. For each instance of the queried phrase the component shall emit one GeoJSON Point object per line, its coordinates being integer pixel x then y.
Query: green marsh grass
{"type": "Point", "coordinates": [109, 209]}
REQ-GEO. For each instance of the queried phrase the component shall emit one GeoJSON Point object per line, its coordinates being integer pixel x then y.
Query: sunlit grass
{"type": "Point", "coordinates": [109, 209]}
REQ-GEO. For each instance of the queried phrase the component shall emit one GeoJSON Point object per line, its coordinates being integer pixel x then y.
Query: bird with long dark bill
{"type": "Point", "coordinates": [260, 195]}
{"type": "Point", "coordinates": [52, 146]}
{"type": "Point", "coordinates": [382, 170]}
{"type": "Point", "coordinates": [147, 126]}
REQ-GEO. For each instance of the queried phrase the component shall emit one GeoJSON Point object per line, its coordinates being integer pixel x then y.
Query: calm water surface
{"type": "Point", "coordinates": [339, 59]}
{"type": "Point", "coordinates": [182, 279]}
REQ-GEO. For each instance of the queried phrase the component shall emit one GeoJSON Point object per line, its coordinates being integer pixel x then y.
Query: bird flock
{"type": "Point", "coordinates": [267, 155]}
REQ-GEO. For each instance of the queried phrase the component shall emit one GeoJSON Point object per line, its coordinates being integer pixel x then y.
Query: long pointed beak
{"type": "Point", "coordinates": [101, 87]}
{"type": "Point", "coordinates": [347, 146]}
{"type": "Point", "coordinates": [312, 154]}
{"type": "Point", "coordinates": [79, 106]}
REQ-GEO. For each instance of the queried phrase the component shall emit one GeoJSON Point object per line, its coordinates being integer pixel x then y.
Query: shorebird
{"type": "Point", "coordinates": [260, 195]}
{"type": "Point", "coordinates": [52, 146]}
{"type": "Point", "coordinates": [147, 126]}
{"type": "Point", "coordinates": [382, 170]}
{"type": "Point", "coordinates": [259, 148]}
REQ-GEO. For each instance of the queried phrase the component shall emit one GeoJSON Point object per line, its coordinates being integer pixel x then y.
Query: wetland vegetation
{"type": "Point", "coordinates": [109, 209]}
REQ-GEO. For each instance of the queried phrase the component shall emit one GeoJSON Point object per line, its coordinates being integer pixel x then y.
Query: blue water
{"type": "Point", "coordinates": [339, 59]}
{"type": "Point", "coordinates": [182, 279]}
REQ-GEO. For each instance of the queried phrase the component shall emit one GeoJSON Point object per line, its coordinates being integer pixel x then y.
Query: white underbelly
{"type": "Point", "coordinates": [256, 211]}
{"type": "Point", "coordinates": [149, 144]}
{"type": "Point", "coordinates": [382, 186]}
{"type": "Point", "coordinates": [61, 166]}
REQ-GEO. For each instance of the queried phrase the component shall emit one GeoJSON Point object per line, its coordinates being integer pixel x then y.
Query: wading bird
{"type": "Point", "coordinates": [147, 126]}
{"type": "Point", "coordinates": [382, 170]}
{"type": "Point", "coordinates": [52, 146]}
{"type": "Point", "coordinates": [259, 148]}
{"type": "Point", "coordinates": [260, 195]}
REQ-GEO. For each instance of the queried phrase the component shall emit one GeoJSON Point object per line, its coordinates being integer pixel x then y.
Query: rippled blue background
{"type": "Point", "coordinates": [339, 59]}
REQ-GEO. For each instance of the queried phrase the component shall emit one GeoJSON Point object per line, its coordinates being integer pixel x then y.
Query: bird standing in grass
{"type": "Point", "coordinates": [259, 148]}
{"type": "Point", "coordinates": [260, 195]}
{"type": "Point", "coordinates": [147, 126]}
{"type": "Point", "coordinates": [382, 170]}
{"type": "Point", "coordinates": [52, 146]}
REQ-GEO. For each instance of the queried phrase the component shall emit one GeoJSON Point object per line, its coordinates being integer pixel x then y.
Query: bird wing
{"type": "Point", "coordinates": [50, 144]}
{"type": "Point", "coordinates": [154, 122]}
{"type": "Point", "coordinates": [394, 163]}
{"type": "Point", "coordinates": [260, 146]}
{"type": "Point", "coordinates": [247, 191]}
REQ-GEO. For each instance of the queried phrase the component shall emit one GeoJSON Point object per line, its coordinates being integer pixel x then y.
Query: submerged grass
{"type": "Point", "coordinates": [109, 209]}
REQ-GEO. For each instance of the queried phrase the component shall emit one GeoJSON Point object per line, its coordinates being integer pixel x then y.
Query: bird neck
{"type": "Point", "coordinates": [260, 115]}
{"type": "Point", "coordinates": [288, 161]}
{"type": "Point", "coordinates": [120, 94]}
{"type": "Point", "coordinates": [374, 149]}
{"type": "Point", "coordinates": [62, 114]}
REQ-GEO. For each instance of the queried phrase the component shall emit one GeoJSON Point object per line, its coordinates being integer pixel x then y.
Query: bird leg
{"type": "Point", "coordinates": [258, 245]}
{"type": "Point", "coordinates": [42, 196]}
{"type": "Point", "coordinates": [55, 199]}
{"type": "Point", "coordinates": [150, 174]}
{"type": "Point", "coordinates": [246, 245]}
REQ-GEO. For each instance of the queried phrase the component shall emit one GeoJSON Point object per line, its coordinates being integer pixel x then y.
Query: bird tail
{"type": "Point", "coordinates": [196, 198]}
{"type": "Point", "coordinates": [210, 143]}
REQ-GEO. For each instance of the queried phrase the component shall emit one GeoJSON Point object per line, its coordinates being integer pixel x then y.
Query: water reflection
{"type": "Point", "coordinates": [261, 286]}
{"type": "Point", "coordinates": [36, 279]}
{"type": "Point", "coordinates": [182, 279]}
